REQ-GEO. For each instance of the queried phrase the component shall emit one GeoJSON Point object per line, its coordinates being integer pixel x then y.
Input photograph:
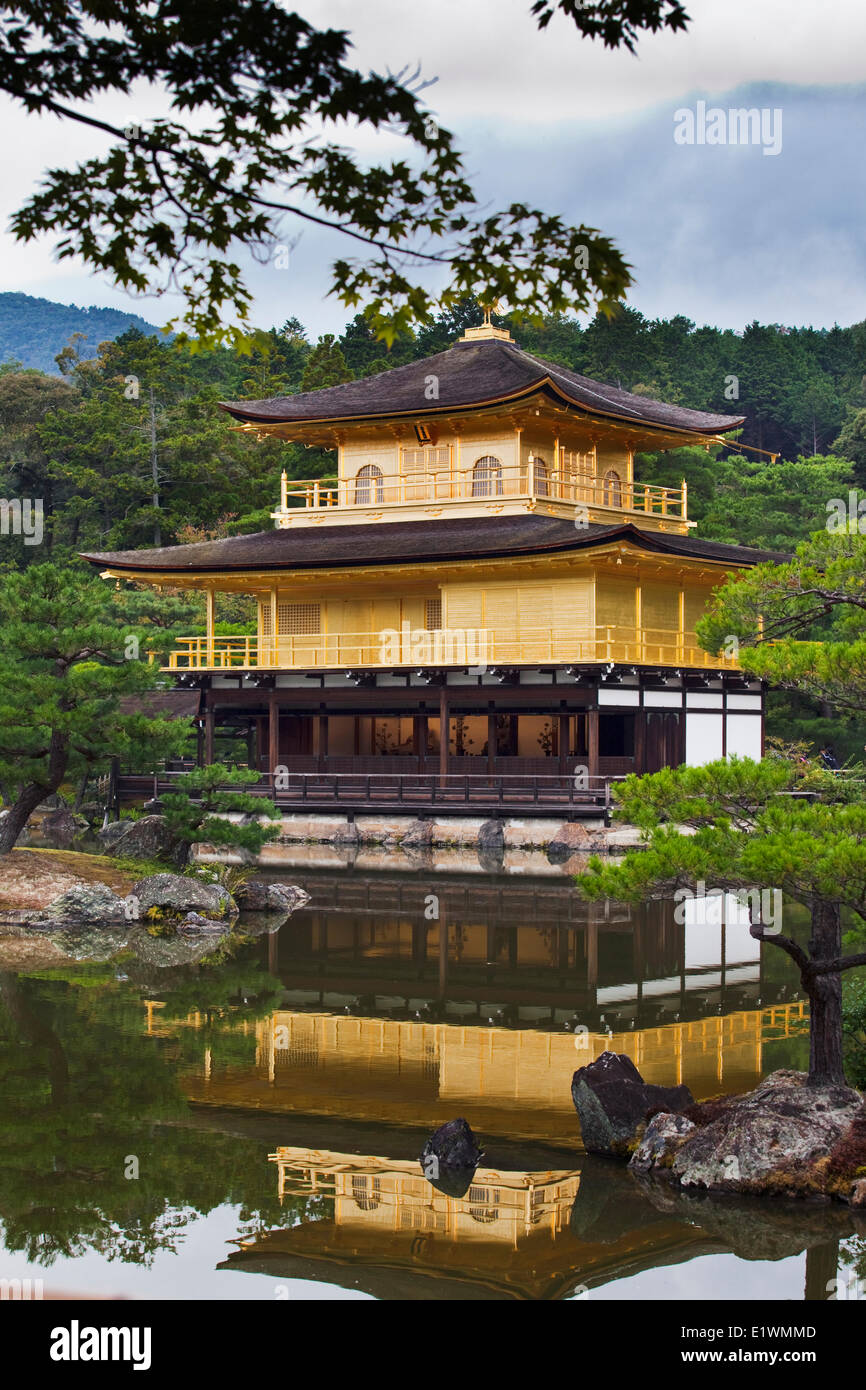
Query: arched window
{"type": "Point", "coordinates": [365, 1192]}
{"type": "Point", "coordinates": [368, 485]}
{"type": "Point", "coordinates": [542, 486]}
{"type": "Point", "coordinates": [612, 488]}
{"type": "Point", "coordinates": [487, 477]}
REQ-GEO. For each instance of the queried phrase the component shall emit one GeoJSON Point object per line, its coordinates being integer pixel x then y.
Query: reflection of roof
{"type": "Point", "coordinates": [469, 374]}
{"type": "Point", "coordinates": [425, 541]}
{"type": "Point", "coordinates": [392, 1266]}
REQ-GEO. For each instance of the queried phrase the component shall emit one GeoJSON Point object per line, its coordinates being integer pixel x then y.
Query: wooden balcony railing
{"type": "Point", "coordinates": [480, 648]}
{"type": "Point", "coordinates": [531, 481]}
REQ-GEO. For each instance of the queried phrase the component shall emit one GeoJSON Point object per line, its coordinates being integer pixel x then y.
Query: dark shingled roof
{"type": "Point", "coordinates": [472, 374]}
{"type": "Point", "coordinates": [163, 704]}
{"type": "Point", "coordinates": [399, 542]}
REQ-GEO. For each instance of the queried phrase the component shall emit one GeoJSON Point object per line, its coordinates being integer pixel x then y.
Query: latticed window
{"type": "Point", "coordinates": [433, 614]}
{"type": "Point", "coordinates": [487, 477]}
{"type": "Point", "coordinates": [368, 485]}
{"type": "Point", "coordinates": [298, 619]}
{"type": "Point", "coordinates": [426, 459]}
{"type": "Point", "coordinates": [573, 465]}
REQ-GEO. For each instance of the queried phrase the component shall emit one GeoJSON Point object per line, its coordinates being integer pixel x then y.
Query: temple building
{"type": "Point", "coordinates": [483, 588]}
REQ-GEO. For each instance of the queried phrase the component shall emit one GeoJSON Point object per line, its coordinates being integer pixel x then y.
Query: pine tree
{"type": "Point", "coordinates": [67, 657]}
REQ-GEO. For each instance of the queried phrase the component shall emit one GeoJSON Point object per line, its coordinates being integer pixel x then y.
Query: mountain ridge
{"type": "Point", "coordinates": [33, 330]}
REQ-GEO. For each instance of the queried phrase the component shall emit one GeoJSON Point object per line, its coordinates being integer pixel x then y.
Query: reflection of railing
{"type": "Point", "coordinates": [529, 480]}
{"type": "Point", "coordinates": [472, 647]}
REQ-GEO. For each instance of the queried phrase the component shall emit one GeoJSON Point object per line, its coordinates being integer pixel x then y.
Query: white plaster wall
{"type": "Point", "coordinates": [703, 738]}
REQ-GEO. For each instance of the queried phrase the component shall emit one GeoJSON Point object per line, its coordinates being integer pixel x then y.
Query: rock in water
{"type": "Point", "coordinates": [86, 904]}
{"type": "Point", "coordinates": [285, 897]}
{"type": "Point", "coordinates": [664, 1134]}
{"type": "Point", "coordinates": [612, 1099]}
{"type": "Point", "coordinates": [60, 827]}
{"type": "Point", "coordinates": [257, 895]}
{"type": "Point", "coordinates": [174, 896]}
{"type": "Point", "coordinates": [449, 1158]}
{"type": "Point", "coordinates": [775, 1139]}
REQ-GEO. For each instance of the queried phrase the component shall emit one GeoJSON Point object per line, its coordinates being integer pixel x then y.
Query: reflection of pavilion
{"type": "Point", "coordinates": [381, 1227]}
{"type": "Point", "coordinates": [530, 953]}
{"type": "Point", "coordinates": [506, 1081]}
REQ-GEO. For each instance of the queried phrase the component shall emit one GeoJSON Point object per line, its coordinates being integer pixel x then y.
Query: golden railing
{"type": "Point", "coordinates": [446, 647]}
{"type": "Point", "coordinates": [529, 481]}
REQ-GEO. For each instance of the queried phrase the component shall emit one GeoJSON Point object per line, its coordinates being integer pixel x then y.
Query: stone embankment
{"type": "Point", "coordinates": [560, 841]}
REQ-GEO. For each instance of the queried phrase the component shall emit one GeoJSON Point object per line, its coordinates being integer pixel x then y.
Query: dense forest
{"type": "Point", "coordinates": [88, 438]}
{"type": "Point", "coordinates": [32, 331]}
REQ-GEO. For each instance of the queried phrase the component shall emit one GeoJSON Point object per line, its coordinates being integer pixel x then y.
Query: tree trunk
{"type": "Point", "coordinates": [82, 788]}
{"type": "Point", "coordinates": [19, 814]}
{"type": "Point", "coordinates": [826, 1066]}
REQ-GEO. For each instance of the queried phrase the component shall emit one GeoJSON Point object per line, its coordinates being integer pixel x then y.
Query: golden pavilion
{"type": "Point", "coordinates": [484, 605]}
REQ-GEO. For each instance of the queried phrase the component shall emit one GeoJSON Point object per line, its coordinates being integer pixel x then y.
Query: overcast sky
{"type": "Point", "coordinates": [721, 233]}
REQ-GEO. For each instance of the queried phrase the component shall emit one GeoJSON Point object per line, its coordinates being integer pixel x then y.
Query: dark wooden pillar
{"type": "Point", "coordinates": [252, 745]}
{"type": "Point", "coordinates": [443, 732]}
{"type": "Point", "coordinates": [323, 739]}
{"type": "Point", "coordinates": [209, 736]}
{"type": "Point", "coordinates": [563, 741]}
{"type": "Point", "coordinates": [419, 739]}
{"type": "Point", "coordinates": [640, 740]}
{"type": "Point", "coordinates": [592, 741]}
{"type": "Point", "coordinates": [491, 741]}
{"type": "Point", "coordinates": [273, 733]}
{"type": "Point", "coordinates": [261, 749]}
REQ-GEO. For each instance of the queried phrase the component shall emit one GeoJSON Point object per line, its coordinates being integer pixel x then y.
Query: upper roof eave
{"type": "Point", "coordinates": [525, 393]}
{"type": "Point", "coordinates": [502, 373]}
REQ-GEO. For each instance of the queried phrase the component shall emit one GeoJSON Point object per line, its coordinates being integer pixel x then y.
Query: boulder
{"type": "Point", "coordinates": [346, 835]}
{"type": "Point", "coordinates": [60, 828]}
{"type": "Point", "coordinates": [252, 896]}
{"type": "Point", "coordinates": [86, 904]}
{"type": "Point", "coordinates": [858, 1193]}
{"type": "Point", "coordinates": [449, 1158]}
{"type": "Point", "coordinates": [112, 832]}
{"type": "Point", "coordinates": [776, 1139]}
{"type": "Point", "coordinates": [491, 837]}
{"type": "Point", "coordinates": [661, 1139]}
{"type": "Point", "coordinates": [285, 897]}
{"type": "Point", "coordinates": [148, 838]}
{"type": "Point", "coordinates": [612, 1099]}
{"type": "Point", "coordinates": [571, 838]}
{"type": "Point", "coordinates": [256, 895]}
{"type": "Point", "coordinates": [175, 895]}
{"type": "Point", "coordinates": [418, 836]}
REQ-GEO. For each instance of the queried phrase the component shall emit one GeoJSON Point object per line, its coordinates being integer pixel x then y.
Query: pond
{"type": "Point", "coordinates": [242, 1119]}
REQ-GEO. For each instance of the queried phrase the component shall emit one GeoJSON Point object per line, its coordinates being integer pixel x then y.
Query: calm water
{"type": "Point", "coordinates": [201, 1120]}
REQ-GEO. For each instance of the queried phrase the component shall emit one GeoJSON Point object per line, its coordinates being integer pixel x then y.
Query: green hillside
{"type": "Point", "coordinates": [33, 331]}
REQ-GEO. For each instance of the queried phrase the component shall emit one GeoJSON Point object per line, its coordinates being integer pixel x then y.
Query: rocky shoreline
{"type": "Point", "coordinates": [786, 1138]}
